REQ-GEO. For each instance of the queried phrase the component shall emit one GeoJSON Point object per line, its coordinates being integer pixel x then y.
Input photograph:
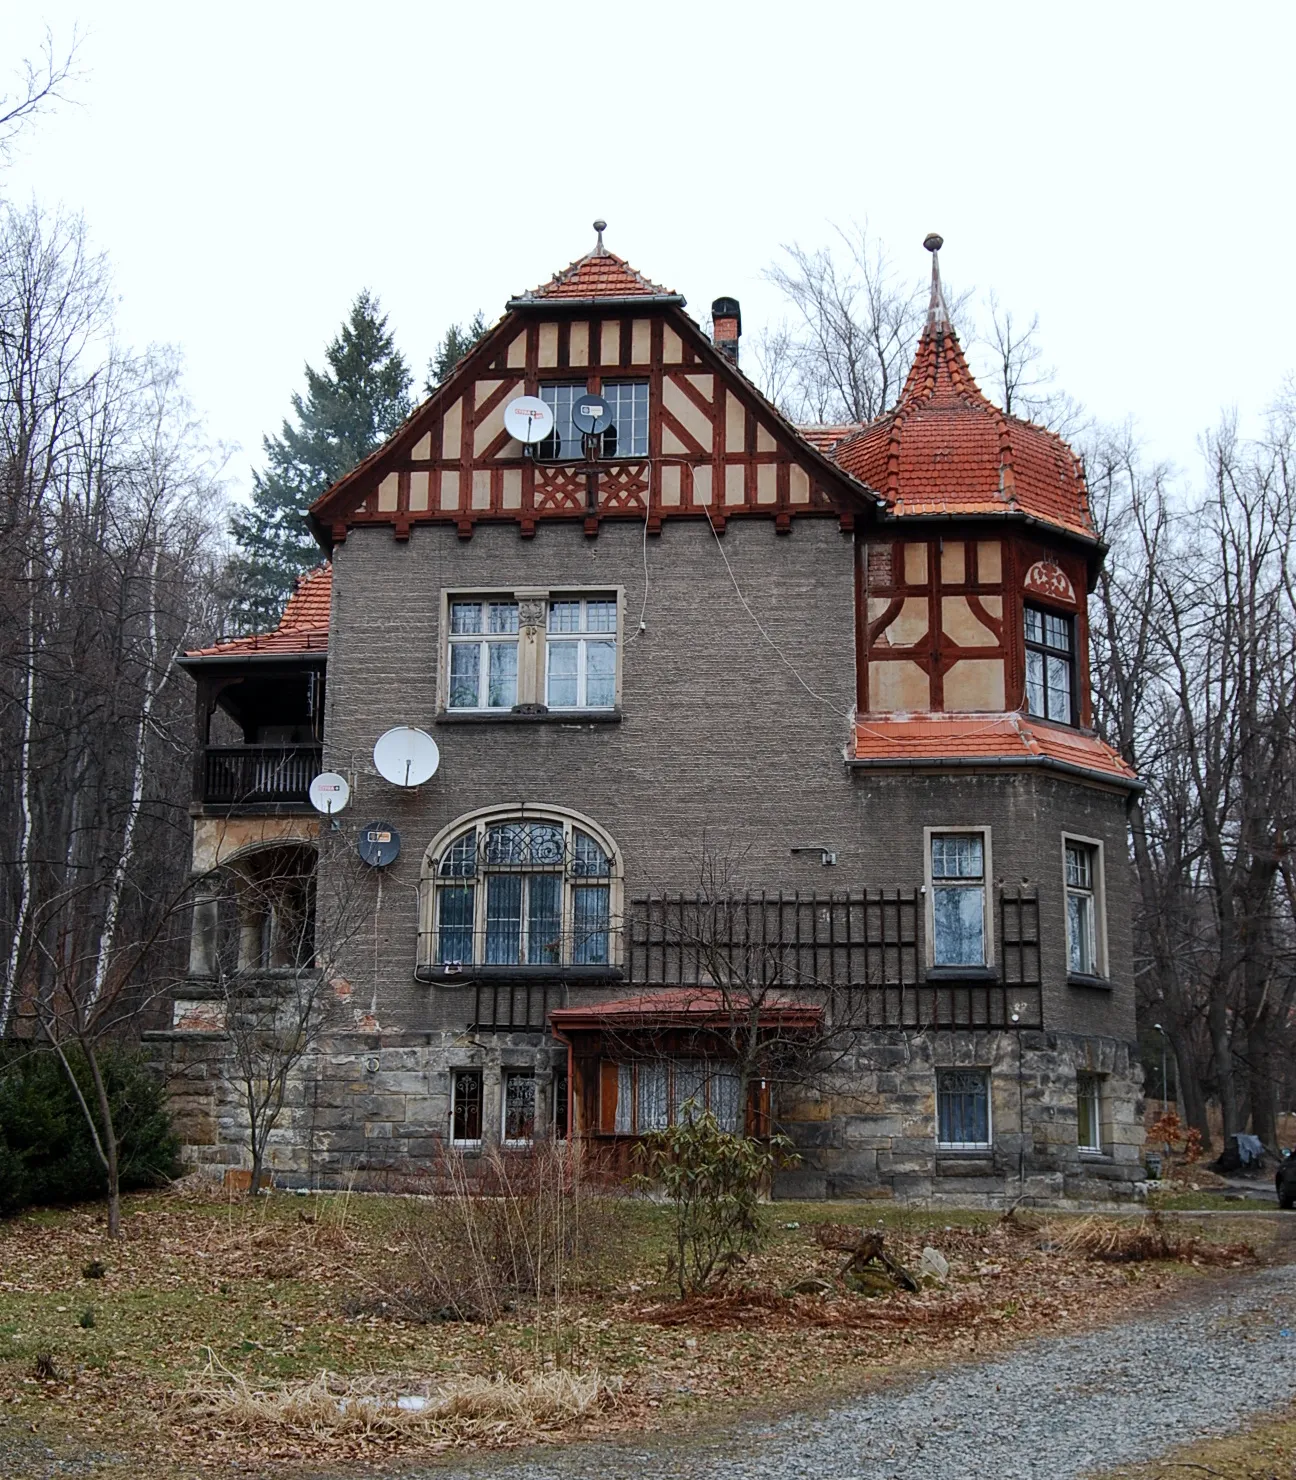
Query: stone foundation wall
{"type": "Point", "coordinates": [374, 1110]}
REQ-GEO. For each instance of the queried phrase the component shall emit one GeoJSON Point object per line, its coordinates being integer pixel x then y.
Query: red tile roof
{"type": "Point", "coordinates": [946, 449]}
{"type": "Point", "coordinates": [689, 1005]}
{"type": "Point", "coordinates": [825, 438]}
{"type": "Point", "coordinates": [303, 628]}
{"type": "Point", "coordinates": [1007, 739]}
{"type": "Point", "coordinates": [599, 274]}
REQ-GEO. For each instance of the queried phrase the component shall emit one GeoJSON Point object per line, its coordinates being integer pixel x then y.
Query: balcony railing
{"type": "Point", "coordinates": [257, 775]}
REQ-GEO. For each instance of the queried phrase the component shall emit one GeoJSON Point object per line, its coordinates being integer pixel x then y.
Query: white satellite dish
{"type": "Point", "coordinates": [406, 757]}
{"type": "Point", "coordinates": [529, 419]}
{"type": "Point", "coordinates": [329, 792]}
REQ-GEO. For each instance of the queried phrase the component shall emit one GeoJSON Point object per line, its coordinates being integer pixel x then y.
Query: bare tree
{"type": "Point", "coordinates": [40, 82]}
{"type": "Point", "coordinates": [855, 322]}
{"type": "Point", "coordinates": [107, 522]}
{"type": "Point", "coordinates": [1021, 381]}
{"type": "Point", "coordinates": [277, 971]}
{"type": "Point", "coordinates": [1195, 669]}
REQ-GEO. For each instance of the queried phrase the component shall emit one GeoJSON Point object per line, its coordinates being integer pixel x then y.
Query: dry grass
{"type": "Point", "coordinates": [1264, 1450]}
{"type": "Point", "coordinates": [281, 1290]}
{"type": "Point", "coordinates": [1121, 1241]}
{"type": "Point", "coordinates": [454, 1409]}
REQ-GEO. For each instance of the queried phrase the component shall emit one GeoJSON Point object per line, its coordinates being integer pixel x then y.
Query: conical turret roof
{"type": "Point", "coordinates": [947, 449]}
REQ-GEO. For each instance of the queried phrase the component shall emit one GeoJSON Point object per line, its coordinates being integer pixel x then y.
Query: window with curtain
{"type": "Point", "coordinates": [1089, 1111]}
{"type": "Point", "coordinates": [523, 892]}
{"type": "Point", "coordinates": [958, 899]}
{"type": "Point", "coordinates": [1081, 909]}
{"type": "Point", "coordinates": [655, 1093]}
{"type": "Point", "coordinates": [963, 1108]}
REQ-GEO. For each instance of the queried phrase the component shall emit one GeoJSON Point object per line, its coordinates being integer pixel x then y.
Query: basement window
{"type": "Point", "coordinates": [963, 1109]}
{"type": "Point", "coordinates": [1089, 1112]}
{"type": "Point", "coordinates": [519, 1108]}
{"type": "Point", "coordinates": [466, 1107]}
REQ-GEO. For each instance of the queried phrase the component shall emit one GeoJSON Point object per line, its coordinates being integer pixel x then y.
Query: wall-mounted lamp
{"type": "Point", "coordinates": [827, 856]}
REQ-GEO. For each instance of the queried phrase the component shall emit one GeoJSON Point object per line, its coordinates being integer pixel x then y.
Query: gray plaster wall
{"type": "Point", "coordinates": [727, 749]}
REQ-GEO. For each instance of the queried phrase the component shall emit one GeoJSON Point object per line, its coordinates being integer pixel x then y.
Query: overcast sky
{"type": "Point", "coordinates": [1124, 170]}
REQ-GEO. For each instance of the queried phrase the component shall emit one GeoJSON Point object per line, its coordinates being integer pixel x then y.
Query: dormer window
{"type": "Point", "coordinates": [1050, 665]}
{"type": "Point", "coordinates": [626, 437]}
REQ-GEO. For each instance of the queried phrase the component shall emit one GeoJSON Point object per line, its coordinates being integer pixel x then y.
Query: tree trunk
{"type": "Point", "coordinates": [108, 1148]}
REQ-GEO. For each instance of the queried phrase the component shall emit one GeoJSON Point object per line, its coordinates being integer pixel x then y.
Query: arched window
{"type": "Point", "coordinates": [508, 890]}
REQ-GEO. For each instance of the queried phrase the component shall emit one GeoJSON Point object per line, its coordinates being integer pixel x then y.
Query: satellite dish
{"type": "Point", "coordinates": [378, 844]}
{"type": "Point", "coordinates": [529, 419]}
{"type": "Point", "coordinates": [406, 757]}
{"type": "Point", "coordinates": [329, 792]}
{"type": "Point", "coordinates": [591, 414]}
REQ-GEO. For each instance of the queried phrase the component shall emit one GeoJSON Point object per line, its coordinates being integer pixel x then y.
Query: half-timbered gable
{"type": "Point", "coordinates": [697, 439]}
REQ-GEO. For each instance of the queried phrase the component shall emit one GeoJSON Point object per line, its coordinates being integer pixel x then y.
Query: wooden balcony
{"type": "Point", "coordinates": [256, 777]}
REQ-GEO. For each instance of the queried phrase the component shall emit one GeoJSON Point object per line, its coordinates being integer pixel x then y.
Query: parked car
{"type": "Point", "coordinates": [1285, 1181]}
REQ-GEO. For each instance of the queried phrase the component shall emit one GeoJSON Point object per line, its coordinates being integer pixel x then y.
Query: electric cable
{"type": "Point", "coordinates": [782, 656]}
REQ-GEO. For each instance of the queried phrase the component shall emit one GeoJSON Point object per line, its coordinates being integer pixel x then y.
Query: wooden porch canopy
{"type": "Point", "coordinates": [687, 1008]}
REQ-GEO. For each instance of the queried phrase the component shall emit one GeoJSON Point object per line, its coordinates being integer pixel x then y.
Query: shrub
{"type": "Point", "coordinates": [714, 1180]}
{"type": "Point", "coordinates": [46, 1152]}
{"type": "Point", "coordinates": [514, 1225]}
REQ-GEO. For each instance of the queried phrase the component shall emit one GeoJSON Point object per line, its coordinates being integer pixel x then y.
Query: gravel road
{"type": "Point", "coordinates": [1055, 1409]}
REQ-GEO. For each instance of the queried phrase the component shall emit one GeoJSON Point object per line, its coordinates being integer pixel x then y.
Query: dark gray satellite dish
{"type": "Point", "coordinates": [378, 844]}
{"type": "Point", "coordinates": [591, 414]}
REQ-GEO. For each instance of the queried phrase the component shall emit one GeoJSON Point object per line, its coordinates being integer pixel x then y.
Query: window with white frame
{"type": "Point", "coordinates": [1050, 665]}
{"type": "Point", "coordinates": [628, 434]}
{"type": "Point", "coordinates": [1083, 862]}
{"type": "Point", "coordinates": [531, 650]}
{"type": "Point", "coordinates": [483, 658]}
{"type": "Point", "coordinates": [565, 440]}
{"type": "Point", "coordinates": [580, 652]}
{"type": "Point", "coordinates": [519, 1108]}
{"type": "Point", "coordinates": [958, 898]}
{"type": "Point", "coordinates": [1089, 1111]}
{"type": "Point", "coordinates": [466, 1107]}
{"type": "Point", "coordinates": [522, 892]}
{"type": "Point", "coordinates": [963, 1108]}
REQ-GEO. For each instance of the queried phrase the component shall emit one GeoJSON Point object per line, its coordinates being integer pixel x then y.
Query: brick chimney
{"type": "Point", "coordinates": [726, 326]}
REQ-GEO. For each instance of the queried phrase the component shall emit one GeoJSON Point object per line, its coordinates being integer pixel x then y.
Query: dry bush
{"type": "Point", "coordinates": [330, 1405]}
{"type": "Point", "coordinates": [516, 1226]}
{"type": "Point", "coordinates": [1120, 1242]}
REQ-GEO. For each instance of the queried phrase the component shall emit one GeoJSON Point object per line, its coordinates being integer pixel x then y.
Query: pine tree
{"type": "Point", "coordinates": [350, 408]}
{"type": "Point", "coordinates": [458, 340]}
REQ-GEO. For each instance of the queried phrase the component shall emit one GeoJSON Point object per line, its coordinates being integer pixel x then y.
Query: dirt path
{"type": "Point", "coordinates": [1055, 1409]}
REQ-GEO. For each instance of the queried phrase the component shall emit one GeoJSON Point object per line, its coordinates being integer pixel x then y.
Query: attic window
{"type": "Point", "coordinates": [626, 437]}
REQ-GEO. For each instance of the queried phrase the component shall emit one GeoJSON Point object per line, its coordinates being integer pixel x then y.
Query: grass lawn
{"type": "Point", "coordinates": [1265, 1450]}
{"type": "Point", "coordinates": [264, 1293]}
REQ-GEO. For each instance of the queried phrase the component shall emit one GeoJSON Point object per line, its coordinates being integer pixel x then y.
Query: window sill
{"type": "Point", "coordinates": [467, 974]}
{"type": "Point", "coordinates": [529, 715]}
{"type": "Point", "coordinates": [939, 974]}
{"type": "Point", "coordinates": [1083, 979]}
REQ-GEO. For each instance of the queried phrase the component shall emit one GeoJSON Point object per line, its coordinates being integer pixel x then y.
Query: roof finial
{"type": "Point", "coordinates": [937, 314]}
{"type": "Point", "coordinates": [599, 249]}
